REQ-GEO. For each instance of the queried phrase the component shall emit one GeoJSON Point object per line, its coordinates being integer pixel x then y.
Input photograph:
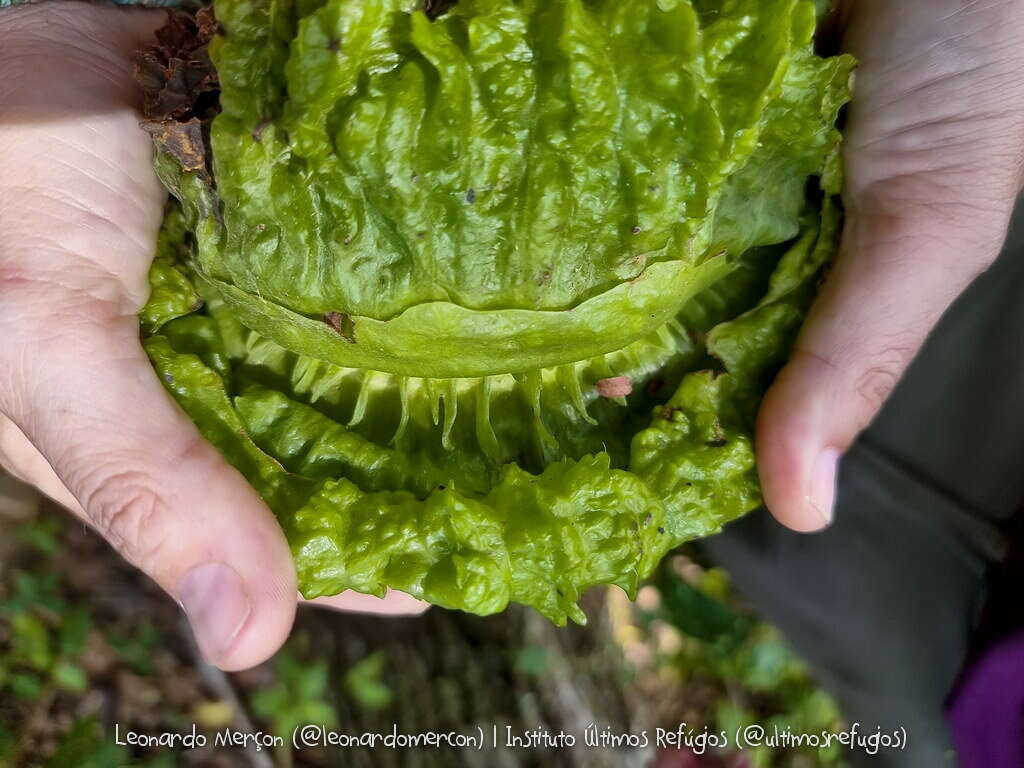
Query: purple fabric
{"type": "Point", "coordinates": [986, 713]}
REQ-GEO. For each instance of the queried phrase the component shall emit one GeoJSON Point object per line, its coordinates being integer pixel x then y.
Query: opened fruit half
{"type": "Point", "coordinates": [483, 299]}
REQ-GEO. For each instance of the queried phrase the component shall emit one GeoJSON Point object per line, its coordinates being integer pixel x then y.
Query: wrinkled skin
{"type": "Point", "coordinates": [933, 153]}
{"type": "Point", "coordinates": [933, 165]}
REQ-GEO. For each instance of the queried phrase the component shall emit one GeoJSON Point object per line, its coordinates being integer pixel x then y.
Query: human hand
{"type": "Point", "coordinates": [933, 154]}
{"type": "Point", "coordinates": [82, 414]}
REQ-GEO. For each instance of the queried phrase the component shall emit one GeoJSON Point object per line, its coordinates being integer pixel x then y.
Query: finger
{"type": "Point", "coordinates": [394, 603]}
{"type": "Point", "coordinates": [22, 461]}
{"type": "Point", "coordinates": [88, 399]}
{"type": "Point", "coordinates": [896, 274]}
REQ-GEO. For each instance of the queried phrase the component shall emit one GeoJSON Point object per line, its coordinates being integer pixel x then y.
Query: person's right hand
{"type": "Point", "coordinates": [933, 152]}
{"type": "Point", "coordinates": [82, 414]}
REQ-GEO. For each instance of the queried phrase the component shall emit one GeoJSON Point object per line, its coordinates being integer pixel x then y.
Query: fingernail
{"type": "Point", "coordinates": [823, 484]}
{"type": "Point", "coordinates": [217, 606]}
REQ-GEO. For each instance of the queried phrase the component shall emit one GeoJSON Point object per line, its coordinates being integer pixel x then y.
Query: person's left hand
{"type": "Point", "coordinates": [83, 416]}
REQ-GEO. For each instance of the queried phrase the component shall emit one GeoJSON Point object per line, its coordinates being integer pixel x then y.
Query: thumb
{"type": "Point", "coordinates": [901, 265]}
{"type": "Point", "coordinates": [87, 398]}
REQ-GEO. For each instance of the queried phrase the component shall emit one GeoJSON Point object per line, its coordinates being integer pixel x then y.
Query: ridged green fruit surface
{"type": "Point", "coordinates": [484, 304]}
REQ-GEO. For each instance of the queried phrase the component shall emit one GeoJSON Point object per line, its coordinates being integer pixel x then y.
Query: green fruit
{"type": "Point", "coordinates": [491, 299]}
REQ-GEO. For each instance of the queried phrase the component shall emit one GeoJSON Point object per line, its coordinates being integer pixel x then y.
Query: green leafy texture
{"type": "Point", "coordinates": [200, 391]}
{"type": "Point", "coordinates": [431, 245]}
{"type": "Point", "coordinates": [510, 186]}
{"type": "Point", "coordinates": [538, 540]}
{"type": "Point", "coordinates": [455, 526]}
{"type": "Point", "coordinates": [172, 293]}
{"type": "Point", "coordinates": [698, 453]}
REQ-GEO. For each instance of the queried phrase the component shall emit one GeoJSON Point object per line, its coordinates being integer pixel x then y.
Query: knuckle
{"type": "Point", "coordinates": [47, 286]}
{"type": "Point", "coordinates": [22, 289]}
{"type": "Point", "coordinates": [878, 378]}
{"type": "Point", "coordinates": [48, 291]}
{"type": "Point", "coordinates": [129, 514]}
{"type": "Point", "coordinates": [865, 382]}
{"type": "Point", "coordinates": [921, 218]}
{"type": "Point", "coordinates": [192, 450]}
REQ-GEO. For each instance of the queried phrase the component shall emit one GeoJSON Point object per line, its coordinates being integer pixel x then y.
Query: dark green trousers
{"type": "Point", "coordinates": [883, 604]}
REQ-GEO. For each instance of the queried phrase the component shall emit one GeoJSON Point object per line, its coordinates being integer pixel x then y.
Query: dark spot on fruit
{"type": "Point", "coordinates": [670, 413]}
{"type": "Point", "coordinates": [182, 141]}
{"type": "Point", "coordinates": [334, 45]}
{"type": "Point", "coordinates": [441, 487]}
{"type": "Point", "coordinates": [260, 127]}
{"type": "Point", "coordinates": [342, 325]}
{"type": "Point", "coordinates": [470, 195]}
{"type": "Point", "coordinates": [168, 378]}
{"type": "Point", "coordinates": [717, 438]}
{"type": "Point", "coordinates": [636, 230]}
{"type": "Point", "coordinates": [434, 8]}
{"type": "Point", "coordinates": [660, 529]}
{"type": "Point", "coordinates": [654, 386]}
{"type": "Point", "coordinates": [177, 77]}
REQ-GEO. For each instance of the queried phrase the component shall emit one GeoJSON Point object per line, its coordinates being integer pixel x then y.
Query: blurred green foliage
{"type": "Point", "coordinates": [136, 649]}
{"type": "Point", "coordinates": [719, 642]}
{"type": "Point", "coordinates": [298, 695]}
{"type": "Point", "coordinates": [762, 681]}
{"type": "Point", "coordinates": [46, 634]}
{"type": "Point", "coordinates": [41, 650]}
{"type": "Point", "coordinates": [85, 746]}
{"type": "Point", "coordinates": [531, 660]}
{"type": "Point", "coordinates": [363, 682]}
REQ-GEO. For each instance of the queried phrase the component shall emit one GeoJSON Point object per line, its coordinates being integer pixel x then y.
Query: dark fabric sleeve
{"type": "Point", "coordinates": [883, 604]}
